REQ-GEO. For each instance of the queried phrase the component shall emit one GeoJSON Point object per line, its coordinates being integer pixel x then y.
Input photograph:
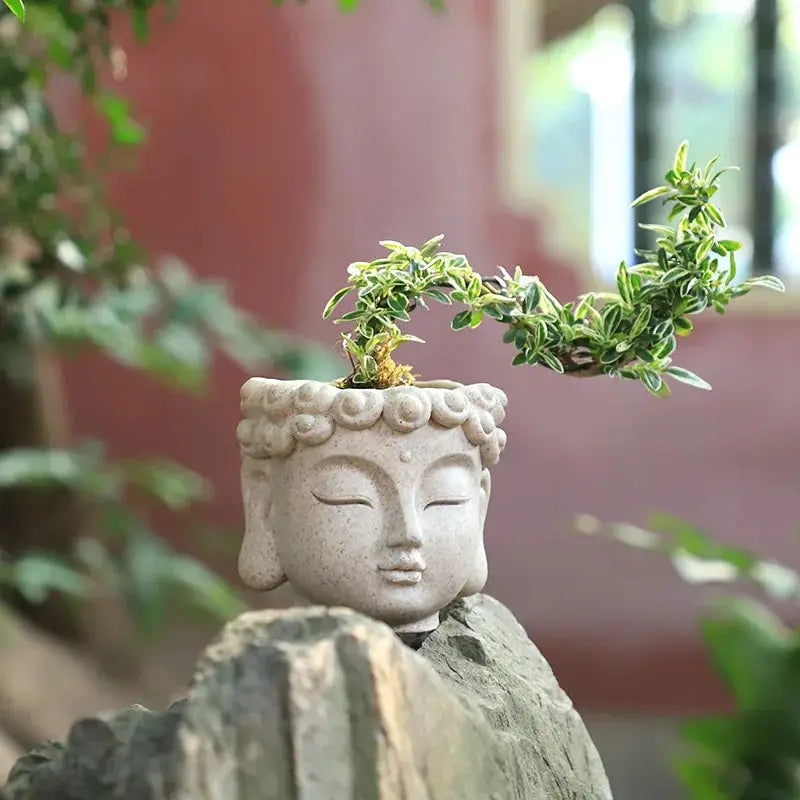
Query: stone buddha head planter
{"type": "Point", "coordinates": [370, 499]}
{"type": "Point", "coordinates": [372, 492]}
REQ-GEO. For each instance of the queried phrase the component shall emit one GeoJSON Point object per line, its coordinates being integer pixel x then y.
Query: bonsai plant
{"type": "Point", "coordinates": [372, 492]}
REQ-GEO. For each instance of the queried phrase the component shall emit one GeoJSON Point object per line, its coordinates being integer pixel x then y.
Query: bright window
{"type": "Point", "coordinates": [578, 105]}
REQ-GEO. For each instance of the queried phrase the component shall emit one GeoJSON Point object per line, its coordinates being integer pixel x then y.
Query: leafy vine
{"type": "Point", "coordinates": [629, 334]}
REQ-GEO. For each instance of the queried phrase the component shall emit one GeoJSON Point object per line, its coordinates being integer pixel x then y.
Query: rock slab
{"type": "Point", "coordinates": [325, 704]}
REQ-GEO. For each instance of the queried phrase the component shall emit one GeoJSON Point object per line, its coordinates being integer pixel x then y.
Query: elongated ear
{"type": "Point", "coordinates": [259, 565]}
{"type": "Point", "coordinates": [480, 568]}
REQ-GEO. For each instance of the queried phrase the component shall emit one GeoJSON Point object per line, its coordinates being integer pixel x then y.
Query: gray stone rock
{"type": "Point", "coordinates": [324, 704]}
{"type": "Point", "coordinates": [486, 657]}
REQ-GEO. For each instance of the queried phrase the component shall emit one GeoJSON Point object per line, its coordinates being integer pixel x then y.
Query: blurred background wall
{"type": "Point", "coordinates": [285, 142]}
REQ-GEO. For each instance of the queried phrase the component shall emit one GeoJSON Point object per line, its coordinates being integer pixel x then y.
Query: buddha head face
{"type": "Point", "coordinates": [373, 500]}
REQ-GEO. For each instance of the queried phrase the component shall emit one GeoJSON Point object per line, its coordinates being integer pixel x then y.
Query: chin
{"type": "Point", "coordinates": [405, 609]}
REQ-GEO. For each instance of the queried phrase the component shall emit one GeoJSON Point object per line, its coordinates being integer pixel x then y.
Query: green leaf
{"type": "Point", "coordinates": [461, 320]}
{"type": "Point", "coordinates": [652, 381]}
{"type": "Point", "coordinates": [674, 274]}
{"type": "Point", "coordinates": [551, 361]}
{"type": "Point", "coordinates": [665, 347]}
{"type": "Point", "coordinates": [175, 486]}
{"type": "Point", "coordinates": [398, 302]}
{"type": "Point", "coordinates": [439, 296]}
{"type": "Point", "coordinates": [98, 560]}
{"type": "Point", "coordinates": [195, 585]}
{"type": "Point", "coordinates": [431, 246]}
{"type": "Point", "coordinates": [36, 575]}
{"type": "Point", "coordinates": [768, 282]}
{"type": "Point", "coordinates": [124, 129]}
{"type": "Point", "coordinates": [750, 647]}
{"type": "Point", "coordinates": [705, 248]}
{"type": "Point", "coordinates": [540, 333]}
{"type": "Point", "coordinates": [494, 311]}
{"type": "Point", "coordinates": [532, 297]}
{"type": "Point", "coordinates": [30, 467]}
{"type": "Point", "coordinates": [716, 215]}
{"type": "Point", "coordinates": [650, 195]}
{"type": "Point", "coordinates": [680, 158]}
{"type": "Point", "coordinates": [143, 569]}
{"type": "Point", "coordinates": [693, 305]}
{"type": "Point", "coordinates": [548, 302]}
{"type": "Point", "coordinates": [334, 301]}
{"type": "Point", "coordinates": [17, 7]}
{"type": "Point", "coordinates": [701, 779]}
{"type": "Point", "coordinates": [348, 5]}
{"type": "Point", "coordinates": [624, 283]}
{"type": "Point", "coordinates": [584, 306]}
{"type": "Point", "coordinates": [474, 288]}
{"type": "Point", "coordinates": [612, 316]}
{"type": "Point", "coordinates": [519, 358]}
{"type": "Point", "coordinates": [476, 318]}
{"type": "Point", "coordinates": [661, 230]}
{"type": "Point", "coordinates": [685, 376]}
{"type": "Point", "coordinates": [610, 356]}
{"type": "Point", "coordinates": [683, 326]}
{"type": "Point", "coordinates": [139, 22]}
{"type": "Point", "coordinates": [641, 321]}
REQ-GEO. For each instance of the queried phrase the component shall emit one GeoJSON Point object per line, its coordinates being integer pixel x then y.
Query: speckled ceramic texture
{"type": "Point", "coordinates": [370, 499]}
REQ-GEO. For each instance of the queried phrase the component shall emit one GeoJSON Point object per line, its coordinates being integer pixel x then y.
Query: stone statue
{"type": "Point", "coordinates": [375, 501]}
{"type": "Point", "coordinates": [370, 499]}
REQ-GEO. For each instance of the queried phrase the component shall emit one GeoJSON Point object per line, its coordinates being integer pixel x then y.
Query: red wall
{"type": "Point", "coordinates": [284, 143]}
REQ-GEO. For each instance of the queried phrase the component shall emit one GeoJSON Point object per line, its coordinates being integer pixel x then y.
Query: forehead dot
{"type": "Point", "coordinates": [405, 456]}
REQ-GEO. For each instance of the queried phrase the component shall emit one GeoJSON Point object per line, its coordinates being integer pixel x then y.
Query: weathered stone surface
{"type": "Point", "coordinates": [324, 704]}
{"type": "Point", "coordinates": [348, 712]}
{"type": "Point", "coordinates": [484, 654]}
{"type": "Point", "coordinates": [127, 755]}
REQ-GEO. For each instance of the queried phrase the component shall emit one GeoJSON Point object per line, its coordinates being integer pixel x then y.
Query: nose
{"type": "Point", "coordinates": [404, 529]}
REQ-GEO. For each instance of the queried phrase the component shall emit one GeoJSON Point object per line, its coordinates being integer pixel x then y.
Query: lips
{"type": "Point", "coordinates": [404, 569]}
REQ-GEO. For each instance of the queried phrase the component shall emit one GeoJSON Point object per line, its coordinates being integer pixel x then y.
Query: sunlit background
{"type": "Point", "coordinates": [698, 66]}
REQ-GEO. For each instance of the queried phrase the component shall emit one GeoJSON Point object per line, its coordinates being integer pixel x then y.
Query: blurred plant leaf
{"type": "Point", "coordinates": [156, 578]}
{"type": "Point", "coordinates": [697, 557]}
{"type": "Point", "coordinates": [124, 129]}
{"type": "Point", "coordinates": [86, 470]}
{"type": "Point", "coordinates": [175, 486]}
{"type": "Point", "coordinates": [754, 752]}
{"type": "Point", "coordinates": [79, 469]}
{"type": "Point", "coordinates": [36, 575]}
{"type": "Point", "coordinates": [749, 645]}
{"type": "Point", "coordinates": [192, 583]}
{"type": "Point", "coordinates": [17, 7]}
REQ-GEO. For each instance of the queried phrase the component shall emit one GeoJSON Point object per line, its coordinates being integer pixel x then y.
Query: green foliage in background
{"type": "Point", "coordinates": [72, 277]}
{"type": "Point", "coordinates": [129, 559]}
{"type": "Point", "coordinates": [17, 7]}
{"type": "Point", "coordinates": [630, 335]}
{"type": "Point", "coordinates": [754, 752]}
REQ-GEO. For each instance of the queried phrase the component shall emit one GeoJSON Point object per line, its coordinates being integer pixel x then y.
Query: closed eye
{"type": "Point", "coordinates": [448, 501]}
{"type": "Point", "coordinates": [342, 501]}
